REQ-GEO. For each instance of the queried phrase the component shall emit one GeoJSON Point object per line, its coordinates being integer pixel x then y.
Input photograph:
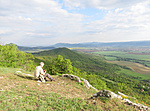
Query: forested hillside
{"type": "Point", "coordinates": [95, 65]}
{"type": "Point", "coordinates": [85, 62]}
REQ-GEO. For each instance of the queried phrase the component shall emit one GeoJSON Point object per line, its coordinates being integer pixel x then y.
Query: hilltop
{"type": "Point", "coordinates": [23, 93]}
{"type": "Point", "coordinates": [85, 62]}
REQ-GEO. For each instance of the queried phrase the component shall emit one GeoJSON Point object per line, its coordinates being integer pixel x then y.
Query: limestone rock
{"type": "Point", "coordinates": [73, 77]}
{"type": "Point", "coordinates": [110, 94]}
{"type": "Point", "coordinates": [20, 73]}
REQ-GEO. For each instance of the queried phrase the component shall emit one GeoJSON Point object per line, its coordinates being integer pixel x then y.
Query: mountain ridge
{"type": "Point", "coordinates": [36, 48]}
{"type": "Point", "coordinates": [87, 44]}
{"type": "Point", "coordinates": [102, 44]}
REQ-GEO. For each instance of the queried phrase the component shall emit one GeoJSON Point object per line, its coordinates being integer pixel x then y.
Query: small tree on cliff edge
{"type": "Point", "coordinates": [60, 66]}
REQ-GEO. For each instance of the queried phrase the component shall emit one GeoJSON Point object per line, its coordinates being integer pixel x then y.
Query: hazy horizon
{"type": "Point", "coordinates": [47, 45]}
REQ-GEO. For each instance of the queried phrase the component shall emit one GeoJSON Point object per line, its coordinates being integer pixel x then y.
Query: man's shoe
{"type": "Point", "coordinates": [53, 80]}
{"type": "Point", "coordinates": [38, 81]}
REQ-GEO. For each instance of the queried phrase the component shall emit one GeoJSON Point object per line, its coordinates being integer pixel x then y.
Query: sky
{"type": "Point", "coordinates": [47, 22]}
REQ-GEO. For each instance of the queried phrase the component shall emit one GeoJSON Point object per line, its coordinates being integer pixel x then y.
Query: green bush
{"type": "Point", "coordinates": [59, 66]}
{"type": "Point", "coordinates": [10, 56]}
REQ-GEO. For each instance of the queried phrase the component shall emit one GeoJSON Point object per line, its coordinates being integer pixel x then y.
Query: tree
{"type": "Point", "coordinates": [60, 66]}
{"type": "Point", "coordinates": [10, 56]}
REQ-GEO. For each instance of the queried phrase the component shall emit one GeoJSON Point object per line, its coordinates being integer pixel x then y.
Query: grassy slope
{"type": "Point", "coordinates": [23, 93]}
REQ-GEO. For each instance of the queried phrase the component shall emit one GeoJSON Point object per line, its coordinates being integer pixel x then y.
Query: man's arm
{"type": "Point", "coordinates": [42, 72]}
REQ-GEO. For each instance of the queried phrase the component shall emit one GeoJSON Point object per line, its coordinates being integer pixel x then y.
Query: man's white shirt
{"type": "Point", "coordinates": [38, 71]}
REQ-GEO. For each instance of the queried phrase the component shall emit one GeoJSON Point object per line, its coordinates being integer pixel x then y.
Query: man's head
{"type": "Point", "coordinates": [41, 64]}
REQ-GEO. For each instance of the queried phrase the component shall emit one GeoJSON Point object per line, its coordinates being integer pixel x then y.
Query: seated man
{"type": "Point", "coordinates": [39, 74]}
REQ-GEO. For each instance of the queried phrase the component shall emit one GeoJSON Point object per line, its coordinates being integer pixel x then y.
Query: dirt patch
{"type": "Point", "coordinates": [65, 87]}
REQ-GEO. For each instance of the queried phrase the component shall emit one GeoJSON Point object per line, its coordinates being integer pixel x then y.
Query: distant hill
{"type": "Point", "coordinates": [33, 49]}
{"type": "Point", "coordinates": [88, 44]}
{"type": "Point", "coordinates": [23, 48]}
{"type": "Point", "coordinates": [101, 44]}
{"type": "Point", "coordinates": [65, 52]}
{"type": "Point", "coordinates": [85, 62]}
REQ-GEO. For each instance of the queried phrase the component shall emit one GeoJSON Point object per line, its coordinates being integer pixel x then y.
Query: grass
{"type": "Point", "coordinates": [43, 101]}
{"type": "Point", "coordinates": [108, 80]}
{"type": "Point", "coordinates": [111, 104]}
{"type": "Point", "coordinates": [21, 93]}
{"type": "Point", "coordinates": [110, 58]}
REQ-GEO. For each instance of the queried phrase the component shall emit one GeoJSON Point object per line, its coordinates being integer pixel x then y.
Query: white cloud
{"type": "Point", "coordinates": [4, 31]}
{"type": "Point", "coordinates": [100, 4]}
{"type": "Point", "coordinates": [37, 18]}
{"type": "Point", "coordinates": [25, 21]}
{"type": "Point", "coordinates": [133, 22]}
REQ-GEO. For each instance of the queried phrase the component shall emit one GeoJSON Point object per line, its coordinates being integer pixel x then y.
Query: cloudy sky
{"type": "Point", "coordinates": [46, 22]}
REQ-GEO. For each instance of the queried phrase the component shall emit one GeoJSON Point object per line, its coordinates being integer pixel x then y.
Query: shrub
{"type": "Point", "coordinates": [60, 66]}
{"type": "Point", "coordinates": [10, 56]}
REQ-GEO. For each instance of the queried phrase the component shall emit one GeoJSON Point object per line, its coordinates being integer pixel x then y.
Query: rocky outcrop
{"type": "Point", "coordinates": [106, 93]}
{"type": "Point", "coordinates": [87, 84]}
{"type": "Point", "coordinates": [73, 77]}
{"type": "Point", "coordinates": [19, 72]}
{"type": "Point", "coordinates": [110, 94]}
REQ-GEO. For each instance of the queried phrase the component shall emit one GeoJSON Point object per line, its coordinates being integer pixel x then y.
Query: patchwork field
{"type": "Point", "coordinates": [141, 70]}
{"type": "Point", "coordinates": [137, 61]}
{"type": "Point", "coordinates": [139, 56]}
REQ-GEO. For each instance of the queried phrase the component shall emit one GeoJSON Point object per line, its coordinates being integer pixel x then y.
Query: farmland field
{"type": "Point", "coordinates": [135, 74]}
{"type": "Point", "coordinates": [139, 56]}
{"type": "Point", "coordinates": [110, 58]}
{"type": "Point", "coordinates": [141, 71]}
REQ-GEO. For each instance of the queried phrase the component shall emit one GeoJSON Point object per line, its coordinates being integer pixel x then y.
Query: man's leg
{"type": "Point", "coordinates": [47, 75]}
{"type": "Point", "coordinates": [41, 78]}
